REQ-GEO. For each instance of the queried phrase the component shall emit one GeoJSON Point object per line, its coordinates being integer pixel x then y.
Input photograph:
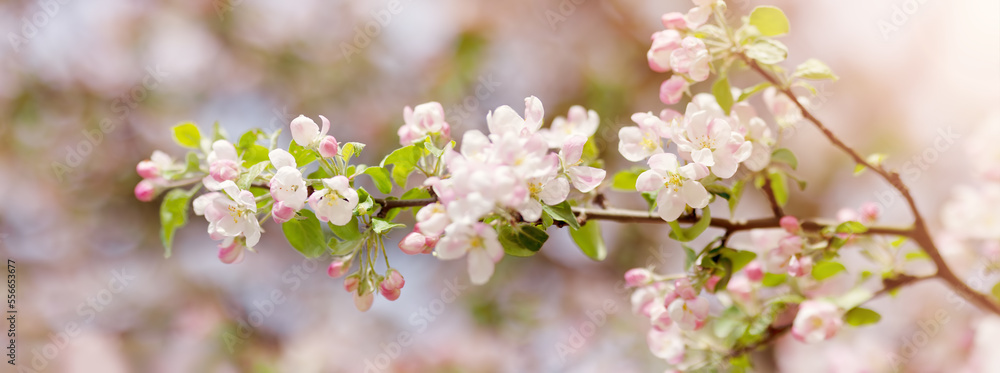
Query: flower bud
{"type": "Point", "coordinates": [413, 243]}
{"type": "Point", "coordinates": [391, 285]}
{"type": "Point", "coordinates": [660, 319]}
{"type": "Point", "coordinates": [790, 245]}
{"type": "Point", "coordinates": [673, 89]}
{"type": "Point", "coordinates": [790, 224]}
{"type": "Point", "coordinates": [328, 147]}
{"type": "Point", "coordinates": [798, 267]}
{"type": "Point", "coordinates": [231, 254]}
{"type": "Point", "coordinates": [304, 130]}
{"type": "Point", "coordinates": [674, 20]}
{"type": "Point", "coordinates": [338, 267]}
{"type": "Point", "coordinates": [224, 169]}
{"type": "Point", "coordinates": [637, 277]}
{"type": "Point", "coordinates": [684, 290]}
{"type": "Point", "coordinates": [351, 283]}
{"type": "Point", "coordinates": [147, 169]}
{"type": "Point", "coordinates": [754, 271]}
{"type": "Point", "coordinates": [282, 213]}
{"type": "Point", "coordinates": [712, 281]}
{"type": "Point", "coordinates": [363, 302]}
{"type": "Point", "coordinates": [816, 321]}
{"type": "Point", "coordinates": [869, 212]}
{"type": "Point", "coordinates": [145, 190]}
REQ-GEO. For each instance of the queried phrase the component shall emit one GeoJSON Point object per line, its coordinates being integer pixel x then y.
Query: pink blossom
{"type": "Point", "coordinates": [363, 302]}
{"type": "Point", "coordinates": [392, 284]}
{"type": "Point", "coordinates": [816, 321]}
{"type": "Point", "coordinates": [426, 119]}
{"type": "Point", "coordinates": [689, 314]}
{"type": "Point", "coordinates": [338, 267]}
{"type": "Point", "coordinates": [414, 243]}
{"type": "Point", "coordinates": [636, 277]}
{"type": "Point", "coordinates": [145, 190]}
{"type": "Point", "coordinates": [870, 212]}
{"type": "Point", "coordinates": [336, 202]}
{"type": "Point", "coordinates": [674, 20]}
{"type": "Point", "coordinates": [230, 215]}
{"type": "Point", "coordinates": [432, 219]}
{"type": "Point", "coordinates": [757, 132]}
{"type": "Point", "coordinates": [154, 166]}
{"type": "Point", "coordinates": [754, 271]}
{"type": "Point", "coordinates": [710, 141]}
{"type": "Point", "coordinates": [666, 344]}
{"type": "Point", "coordinates": [479, 241]}
{"type": "Point", "coordinates": [583, 178]}
{"type": "Point", "coordinates": [223, 164]}
{"type": "Point", "coordinates": [306, 133]}
{"type": "Point", "coordinates": [673, 89]}
{"type": "Point", "coordinates": [504, 120]}
{"type": "Point", "coordinates": [230, 251]}
{"type": "Point", "coordinates": [676, 187]}
{"type": "Point", "coordinates": [785, 111]}
{"type": "Point", "coordinates": [578, 122]}
{"type": "Point", "coordinates": [790, 224]}
{"type": "Point", "coordinates": [692, 59]}
{"type": "Point", "coordinates": [800, 266]}
{"type": "Point", "coordinates": [664, 43]}
{"type": "Point", "coordinates": [328, 147]}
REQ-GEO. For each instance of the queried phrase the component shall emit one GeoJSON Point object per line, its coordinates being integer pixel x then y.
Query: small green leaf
{"type": "Point", "coordinates": [769, 20]}
{"type": "Point", "coordinates": [815, 70]}
{"type": "Point", "coordinates": [366, 202]}
{"type": "Point", "coordinates": [740, 258]}
{"type": "Point", "coordinates": [254, 155]}
{"type": "Point", "coordinates": [690, 233]}
{"type": "Point", "coordinates": [736, 195]}
{"type": "Point", "coordinates": [779, 186]}
{"type": "Point", "coordinates": [351, 149]}
{"type": "Point", "coordinates": [526, 240]}
{"type": "Point", "coordinates": [783, 155]}
{"type": "Point", "coordinates": [187, 135]}
{"type": "Point", "coordinates": [346, 232]}
{"type": "Point", "coordinates": [304, 233]}
{"type": "Point", "coordinates": [193, 164]}
{"type": "Point", "coordinates": [381, 226]}
{"type": "Point", "coordinates": [824, 270]}
{"type": "Point", "coordinates": [302, 155]}
{"type": "Point", "coordinates": [562, 212]}
{"type": "Point", "coordinates": [749, 92]}
{"type": "Point", "coordinates": [173, 215]}
{"type": "Point", "coordinates": [248, 139]}
{"type": "Point", "coordinates": [247, 178]}
{"type": "Point", "coordinates": [625, 180]}
{"type": "Point", "coordinates": [858, 316]}
{"type": "Point", "coordinates": [723, 93]}
{"type": "Point", "coordinates": [767, 51]}
{"type": "Point", "coordinates": [403, 160]}
{"type": "Point", "coordinates": [853, 298]}
{"type": "Point", "coordinates": [341, 248]}
{"type": "Point", "coordinates": [381, 178]}
{"type": "Point", "coordinates": [851, 227]}
{"type": "Point", "coordinates": [774, 279]}
{"type": "Point", "coordinates": [589, 239]}
{"type": "Point", "coordinates": [690, 257]}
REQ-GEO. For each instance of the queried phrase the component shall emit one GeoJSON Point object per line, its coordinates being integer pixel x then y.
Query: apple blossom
{"type": "Point", "coordinates": [223, 165]}
{"type": "Point", "coordinates": [306, 133]}
{"type": "Point", "coordinates": [154, 166]}
{"type": "Point", "coordinates": [504, 120]}
{"type": "Point", "coordinates": [432, 219]}
{"type": "Point", "coordinates": [638, 277]}
{"type": "Point", "coordinates": [416, 243]}
{"type": "Point", "coordinates": [754, 271]}
{"type": "Point", "coordinates": [785, 111]}
{"type": "Point", "coordinates": [664, 43]}
{"type": "Point", "coordinates": [391, 285]}
{"type": "Point", "coordinates": [230, 215]}
{"type": "Point", "coordinates": [336, 202]}
{"type": "Point", "coordinates": [583, 178]}
{"type": "Point", "coordinates": [676, 187]}
{"type": "Point", "coordinates": [578, 122]}
{"type": "Point", "coordinates": [689, 314]}
{"type": "Point", "coordinates": [328, 147]}
{"type": "Point", "coordinates": [710, 142]}
{"type": "Point", "coordinates": [363, 302]}
{"type": "Point", "coordinates": [666, 344]}
{"type": "Point", "coordinates": [426, 119]}
{"type": "Point", "coordinates": [700, 13]}
{"type": "Point", "coordinates": [338, 267]}
{"type": "Point", "coordinates": [790, 224]}
{"type": "Point", "coordinates": [288, 189]}
{"type": "Point", "coordinates": [673, 89]}
{"type": "Point", "coordinates": [231, 251]}
{"type": "Point", "coordinates": [800, 266]}
{"type": "Point", "coordinates": [756, 132]}
{"type": "Point", "coordinates": [641, 142]}
{"type": "Point", "coordinates": [691, 59]}
{"type": "Point", "coordinates": [479, 241]}
{"type": "Point", "coordinates": [816, 321]}
{"type": "Point", "coordinates": [674, 20]}
{"type": "Point", "coordinates": [145, 190]}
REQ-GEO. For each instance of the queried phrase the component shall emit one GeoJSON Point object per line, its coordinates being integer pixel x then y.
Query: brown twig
{"type": "Point", "coordinates": [919, 233]}
{"type": "Point", "coordinates": [775, 207]}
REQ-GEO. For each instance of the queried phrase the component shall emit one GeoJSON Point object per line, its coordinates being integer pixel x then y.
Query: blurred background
{"type": "Point", "coordinates": [88, 89]}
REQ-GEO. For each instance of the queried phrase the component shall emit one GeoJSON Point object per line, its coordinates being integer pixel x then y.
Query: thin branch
{"type": "Point", "coordinates": [920, 233]}
{"type": "Point", "coordinates": [775, 207]}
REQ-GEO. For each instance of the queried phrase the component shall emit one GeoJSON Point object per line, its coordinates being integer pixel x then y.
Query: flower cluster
{"type": "Point", "coordinates": [673, 308]}
{"type": "Point", "coordinates": [515, 169]}
{"type": "Point", "coordinates": [676, 49]}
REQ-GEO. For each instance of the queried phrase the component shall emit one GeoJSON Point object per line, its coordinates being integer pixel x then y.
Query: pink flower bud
{"type": "Point", "coordinates": [790, 245]}
{"type": "Point", "coordinates": [637, 277]}
{"type": "Point", "coordinates": [328, 147]}
{"type": "Point", "coordinates": [754, 271]}
{"type": "Point", "coordinates": [224, 169]}
{"type": "Point", "coordinates": [660, 319]}
{"type": "Point", "coordinates": [363, 302]}
{"type": "Point", "coordinates": [431, 243]}
{"type": "Point", "coordinates": [282, 212]}
{"type": "Point", "coordinates": [712, 281]}
{"type": "Point", "coordinates": [391, 285]}
{"type": "Point", "coordinates": [147, 169]}
{"type": "Point", "coordinates": [413, 243]}
{"type": "Point", "coordinates": [684, 290]}
{"type": "Point", "coordinates": [145, 190]}
{"type": "Point", "coordinates": [231, 254]}
{"type": "Point", "coordinates": [351, 283]}
{"type": "Point", "coordinates": [673, 89]}
{"type": "Point", "coordinates": [338, 268]}
{"type": "Point", "coordinates": [790, 224]}
{"type": "Point", "coordinates": [798, 267]}
{"type": "Point", "coordinates": [870, 212]}
{"type": "Point", "coordinates": [304, 131]}
{"type": "Point", "coordinates": [674, 20]}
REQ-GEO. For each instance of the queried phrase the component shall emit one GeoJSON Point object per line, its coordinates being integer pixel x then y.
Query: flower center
{"type": "Point", "coordinates": [673, 181]}
{"type": "Point", "coordinates": [648, 144]}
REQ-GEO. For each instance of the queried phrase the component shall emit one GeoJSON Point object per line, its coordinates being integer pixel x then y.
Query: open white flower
{"type": "Point", "coordinates": [676, 186]}
{"type": "Point", "coordinates": [711, 142]}
{"type": "Point", "coordinates": [479, 241]}
{"type": "Point", "coordinates": [336, 202]}
{"type": "Point", "coordinates": [230, 216]}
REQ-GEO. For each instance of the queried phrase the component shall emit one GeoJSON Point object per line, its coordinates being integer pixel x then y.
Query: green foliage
{"type": "Point", "coordinates": [173, 215]}
{"type": "Point", "coordinates": [381, 178]}
{"type": "Point", "coordinates": [858, 316]}
{"type": "Point", "coordinates": [187, 135]}
{"type": "Point", "coordinates": [769, 20]}
{"type": "Point", "coordinates": [749, 92]}
{"type": "Point", "coordinates": [365, 202]}
{"type": "Point", "coordinates": [774, 279]}
{"type": "Point", "coordinates": [351, 149]}
{"type": "Point", "coordinates": [347, 232]}
{"type": "Point", "coordinates": [723, 93]}
{"type": "Point", "coordinates": [853, 298]}
{"type": "Point", "coordinates": [302, 155]}
{"type": "Point", "coordinates": [304, 233]}
{"type": "Point", "coordinates": [247, 178]}
{"type": "Point", "coordinates": [851, 227]}
{"type": "Point", "coordinates": [690, 233]}
{"type": "Point", "coordinates": [824, 270]}
{"type": "Point", "coordinates": [524, 240]}
{"type": "Point", "coordinates": [736, 193]}
{"type": "Point", "coordinates": [381, 226]}
{"type": "Point", "coordinates": [346, 247]}
{"type": "Point", "coordinates": [562, 212]}
{"type": "Point", "coordinates": [193, 164]}
{"type": "Point", "coordinates": [588, 238]}
{"type": "Point", "coordinates": [779, 186]}
{"type": "Point", "coordinates": [996, 291]}
{"type": "Point", "coordinates": [815, 70]}
{"type": "Point", "coordinates": [403, 160]}
{"type": "Point", "coordinates": [783, 155]}
{"type": "Point", "coordinates": [767, 51]}
{"type": "Point", "coordinates": [625, 180]}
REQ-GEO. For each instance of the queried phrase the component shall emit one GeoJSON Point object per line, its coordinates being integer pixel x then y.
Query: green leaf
{"type": "Point", "coordinates": [779, 186]}
{"type": "Point", "coordinates": [247, 178]}
{"type": "Point", "coordinates": [625, 180]}
{"type": "Point", "coordinates": [403, 160]}
{"type": "Point", "coordinates": [851, 227]}
{"type": "Point", "coordinates": [723, 93]}
{"type": "Point", "coordinates": [304, 233]}
{"type": "Point", "coordinates": [365, 204]}
{"type": "Point", "coordinates": [719, 190]}
{"type": "Point", "coordinates": [302, 155]}
{"type": "Point", "coordinates": [588, 238]}
{"type": "Point", "coordinates": [815, 70]}
{"type": "Point", "coordinates": [858, 316]}
{"type": "Point", "coordinates": [690, 257]}
{"type": "Point", "coordinates": [824, 270]}
{"type": "Point", "coordinates": [996, 291]}
{"type": "Point", "coordinates": [774, 279]}
{"type": "Point", "coordinates": [769, 20]}
{"type": "Point", "coordinates": [767, 51]}
{"type": "Point", "coordinates": [783, 155]}
{"type": "Point", "coordinates": [853, 298]}
{"type": "Point", "coordinates": [341, 248]}
{"type": "Point", "coordinates": [736, 195]}
{"type": "Point", "coordinates": [351, 149]}
{"type": "Point", "coordinates": [193, 163]}
{"type": "Point", "coordinates": [347, 232]}
{"type": "Point", "coordinates": [217, 132]}
{"type": "Point", "coordinates": [690, 233]}
{"type": "Point", "coordinates": [562, 212]}
{"type": "Point", "coordinates": [740, 258]}
{"type": "Point", "coordinates": [248, 139]}
{"type": "Point", "coordinates": [917, 255]}
{"type": "Point", "coordinates": [526, 240]}
{"type": "Point", "coordinates": [381, 178]}
{"type": "Point", "coordinates": [173, 215]}
{"type": "Point", "coordinates": [749, 92]}
{"type": "Point", "coordinates": [381, 226]}
{"type": "Point", "coordinates": [187, 135]}
{"type": "Point", "coordinates": [254, 155]}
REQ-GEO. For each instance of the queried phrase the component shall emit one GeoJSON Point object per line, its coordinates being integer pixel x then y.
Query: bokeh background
{"type": "Point", "coordinates": [95, 293]}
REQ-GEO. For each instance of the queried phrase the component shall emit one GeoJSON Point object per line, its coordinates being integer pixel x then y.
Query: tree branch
{"type": "Point", "coordinates": [920, 233]}
{"type": "Point", "coordinates": [775, 207]}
